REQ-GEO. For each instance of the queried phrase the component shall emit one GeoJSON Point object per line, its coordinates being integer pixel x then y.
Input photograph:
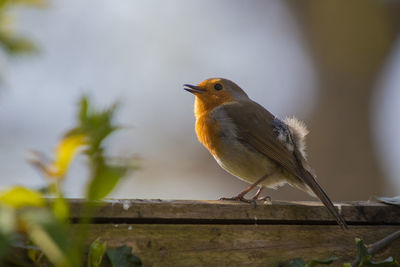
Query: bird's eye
{"type": "Point", "coordinates": [218, 86]}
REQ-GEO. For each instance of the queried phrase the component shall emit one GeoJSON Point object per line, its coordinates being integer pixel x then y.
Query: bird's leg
{"type": "Point", "coordinates": [240, 197]}
{"type": "Point", "coordinates": [257, 195]}
{"type": "Point", "coordinates": [260, 189]}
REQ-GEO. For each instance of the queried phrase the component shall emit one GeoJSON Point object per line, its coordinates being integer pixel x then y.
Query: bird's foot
{"type": "Point", "coordinates": [266, 198]}
{"type": "Point", "coordinates": [257, 197]}
{"type": "Point", "coordinates": [238, 198]}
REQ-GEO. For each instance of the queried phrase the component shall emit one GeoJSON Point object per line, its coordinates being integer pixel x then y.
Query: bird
{"type": "Point", "coordinates": [252, 144]}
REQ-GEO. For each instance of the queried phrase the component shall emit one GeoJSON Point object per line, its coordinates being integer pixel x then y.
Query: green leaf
{"type": "Point", "coordinates": [96, 253]}
{"type": "Point", "coordinates": [97, 125]}
{"type": "Point", "coordinates": [123, 257]}
{"type": "Point", "coordinates": [326, 261]}
{"type": "Point", "coordinates": [19, 196]}
{"type": "Point", "coordinates": [35, 255]}
{"type": "Point", "coordinates": [362, 251]}
{"type": "Point", "coordinates": [61, 209]}
{"type": "Point", "coordinates": [297, 263]}
{"type": "Point", "coordinates": [390, 200]}
{"type": "Point", "coordinates": [366, 258]}
{"type": "Point", "coordinates": [104, 181]}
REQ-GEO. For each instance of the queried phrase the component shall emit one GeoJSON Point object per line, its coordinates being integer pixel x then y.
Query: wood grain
{"type": "Point", "coordinates": [209, 211]}
{"type": "Point", "coordinates": [224, 233]}
{"type": "Point", "coordinates": [239, 245]}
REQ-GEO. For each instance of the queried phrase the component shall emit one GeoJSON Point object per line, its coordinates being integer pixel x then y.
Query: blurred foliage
{"type": "Point", "coordinates": [64, 153]}
{"type": "Point", "coordinates": [105, 173]}
{"type": "Point", "coordinates": [37, 221]}
{"type": "Point", "coordinates": [363, 259]}
{"type": "Point", "coordinates": [301, 263]}
{"type": "Point", "coordinates": [10, 42]}
{"type": "Point", "coordinates": [96, 253]}
{"type": "Point", "coordinates": [123, 257]}
{"type": "Point", "coordinates": [18, 196]}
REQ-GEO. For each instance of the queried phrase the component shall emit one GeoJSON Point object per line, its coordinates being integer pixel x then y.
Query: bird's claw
{"type": "Point", "coordinates": [266, 198]}
{"type": "Point", "coordinates": [252, 201]}
{"type": "Point", "coordinates": [238, 198]}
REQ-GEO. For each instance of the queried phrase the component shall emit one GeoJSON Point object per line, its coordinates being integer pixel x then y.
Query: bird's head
{"type": "Point", "coordinates": [213, 92]}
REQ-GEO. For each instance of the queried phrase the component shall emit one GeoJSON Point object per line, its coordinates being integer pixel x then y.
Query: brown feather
{"type": "Point", "coordinates": [255, 128]}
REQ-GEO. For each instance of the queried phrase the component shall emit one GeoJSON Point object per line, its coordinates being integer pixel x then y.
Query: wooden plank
{"type": "Point", "coordinates": [224, 233]}
{"type": "Point", "coordinates": [220, 212]}
{"type": "Point", "coordinates": [239, 245]}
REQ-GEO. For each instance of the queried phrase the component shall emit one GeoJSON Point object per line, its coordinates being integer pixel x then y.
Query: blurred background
{"type": "Point", "coordinates": [333, 64]}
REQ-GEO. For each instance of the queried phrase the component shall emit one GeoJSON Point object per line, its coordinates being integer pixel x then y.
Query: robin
{"type": "Point", "coordinates": [252, 144]}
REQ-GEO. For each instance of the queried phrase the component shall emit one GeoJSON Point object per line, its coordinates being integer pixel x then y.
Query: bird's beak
{"type": "Point", "coordinates": [194, 89]}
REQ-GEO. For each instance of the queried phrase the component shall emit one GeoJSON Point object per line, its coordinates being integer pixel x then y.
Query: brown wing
{"type": "Point", "coordinates": [255, 127]}
{"type": "Point", "coordinates": [263, 139]}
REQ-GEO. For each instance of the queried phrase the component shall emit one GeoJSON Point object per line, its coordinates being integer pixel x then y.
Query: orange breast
{"type": "Point", "coordinates": [207, 131]}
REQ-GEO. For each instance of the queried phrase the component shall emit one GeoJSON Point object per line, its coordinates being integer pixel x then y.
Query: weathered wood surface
{"type": "Point", "coordinates": [209, 211]}
{"type": "Point", "coordinates": [239, 245]}
{"type": "Point", "coordinates": [221, 233]}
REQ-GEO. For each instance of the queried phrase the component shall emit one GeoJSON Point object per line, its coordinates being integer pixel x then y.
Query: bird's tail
{"type": "Point", "coordinates": [320, 193]}
{"type": "Point", "coordinates": [309, 179]}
